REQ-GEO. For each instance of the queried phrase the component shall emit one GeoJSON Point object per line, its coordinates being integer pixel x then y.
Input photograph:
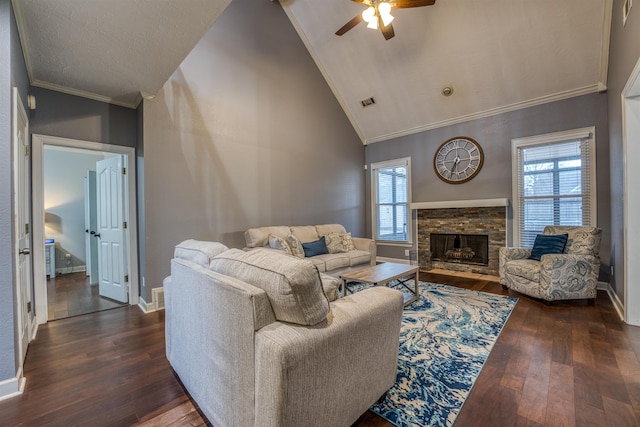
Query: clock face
{"type": "Point", "coordinates": [458, 160]}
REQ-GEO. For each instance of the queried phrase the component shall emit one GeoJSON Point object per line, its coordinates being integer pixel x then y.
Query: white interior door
{"type": "Point", "coordinates": [91, 227]}
{"type": "Point", "coordinates": [22, 200]}
{"type": "Point", "coordinates": [112, 266]}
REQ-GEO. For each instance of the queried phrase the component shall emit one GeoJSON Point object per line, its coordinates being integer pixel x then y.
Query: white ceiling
{"type": "Point", "coordinates": [111, 50]}
{"type": "Point", "coordinates": [498, 55]}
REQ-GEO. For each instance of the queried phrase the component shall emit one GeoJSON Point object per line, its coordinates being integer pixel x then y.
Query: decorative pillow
{"type": "Point", "coordinates": [548, 244]}
{"type": "Point", "coordinates": [347, 242]}
{"type": "Point", "coordinates": [280, 244]}
{"type": "Point", "coordinates": [334, 243]}
{"type": "Point", "coordinates": [319, 247]}
{"type": "Point", "coordinates": [293, 286]}
{"type": "Point", "coordinates": [295, 246]}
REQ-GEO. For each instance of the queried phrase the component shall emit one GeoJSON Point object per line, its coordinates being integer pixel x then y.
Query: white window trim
{"type": "Point", "coordinates": [587, 132]}
{"type": "Point", "coordinates": [374, 213]}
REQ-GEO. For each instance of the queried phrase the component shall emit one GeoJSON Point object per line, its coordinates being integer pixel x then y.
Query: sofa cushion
{"type": "Point", "coordinates": [305, 233]}
{"type": "Point", "coordinates": [198, 251]}
{"type": "Point", "coordinates": [318, 262]}
{"type": "Point", "coordinates": [357, 257]}
{"type": "Point", "coordinates": [333, 261]}
{"type": "Point", "coordinates": [295, 246]}
{"type": "Point", "coordinates": [293, 285]}
{"type": "Point", "coordinates": [319, 247]}
{"type": "Point", "coordinates": [259, 237]}
{"type": "Point", "coordinates": [581, 241]}
{"type": "Point", "coordinates": [325, 229]}
{"type": "Point", "coordinates": [280, 244]}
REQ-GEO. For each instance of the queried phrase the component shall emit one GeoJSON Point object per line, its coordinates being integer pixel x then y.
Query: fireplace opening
{"type": "Point", "coordinates": [460, 248]}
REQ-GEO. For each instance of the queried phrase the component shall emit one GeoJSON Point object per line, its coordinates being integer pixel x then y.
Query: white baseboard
{"type": "Point", "coordinates": [396, 260]}
{"type": "Point", "coordinates": [13, 386]}
{"type": "Point", "coordinates": [613, 296]}
{"type": "Point", "coordinates": [68, 270]}
{"type": "Point", "coordinates": [146, 307]}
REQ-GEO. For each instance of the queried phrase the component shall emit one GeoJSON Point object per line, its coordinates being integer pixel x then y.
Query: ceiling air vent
{"type": "Point", "coordinates": [368, 102]}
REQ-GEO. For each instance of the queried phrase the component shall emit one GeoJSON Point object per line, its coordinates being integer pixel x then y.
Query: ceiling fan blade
{"type": "Point", "coordinates": [404, 4]}
{"type": "Point", "coordinates": [387, 31]}
{"type": "Point", "coordinates": [349, 25]}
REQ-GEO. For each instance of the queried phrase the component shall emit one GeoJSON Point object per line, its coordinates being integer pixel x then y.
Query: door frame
{"type": "Point", "coordinates": [631, 200]}
{"type": "Point", "coordinates": [40, 280]}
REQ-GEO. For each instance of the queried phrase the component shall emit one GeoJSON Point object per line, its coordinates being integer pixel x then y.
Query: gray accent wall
{"type": "Point", "coordinates": [494, 134]}
{"type": "Point", "coordinates": [69, 116]}
{"type": "Point", "coordinates": [246, 133]}
{"type": "Point", "coordinates": [624, 52]}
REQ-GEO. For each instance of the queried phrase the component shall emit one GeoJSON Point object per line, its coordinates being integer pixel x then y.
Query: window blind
{"type": "Point", "coordinates": [391, 195]}
{"type": "Point", "coordinates": [554, 186]}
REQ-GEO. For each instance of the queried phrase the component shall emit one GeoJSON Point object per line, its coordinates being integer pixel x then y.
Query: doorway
{"type": "Point", "coordinates": [72, 238]}
{"type": "Point", "coordinates": [631, 151]}
{"type": "Point", "coordinates": [59, 218]}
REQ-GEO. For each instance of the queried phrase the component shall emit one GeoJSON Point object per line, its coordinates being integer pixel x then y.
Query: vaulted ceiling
{"type": "Point", "coordinates": [496, 55]}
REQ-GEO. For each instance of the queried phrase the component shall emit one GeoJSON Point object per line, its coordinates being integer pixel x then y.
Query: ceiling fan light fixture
{"type": "Point", "coordinates": [369, 14]}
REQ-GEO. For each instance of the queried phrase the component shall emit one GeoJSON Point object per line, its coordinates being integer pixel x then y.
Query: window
{"type": "Point", "coordinates": [391, 186]}
{"type": "Point", "coordinates": [554, 182]}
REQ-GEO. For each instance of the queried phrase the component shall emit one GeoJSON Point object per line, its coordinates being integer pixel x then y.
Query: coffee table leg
{"type": "Point", "coordinates": [417, 287]}
{"type": "Point", "coordinates": [344, 288]}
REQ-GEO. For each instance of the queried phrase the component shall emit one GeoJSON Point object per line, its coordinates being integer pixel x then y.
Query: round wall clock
{"type": "Point", "coordinates": [458, 160]}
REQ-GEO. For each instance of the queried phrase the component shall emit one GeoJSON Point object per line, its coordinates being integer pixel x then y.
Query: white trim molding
{"type": "Point", "coordinates": [396, 260]}
{"type": "Point", "coordinates": [480, 203]}
{"type": "Point", "coordinates": [13, 386]}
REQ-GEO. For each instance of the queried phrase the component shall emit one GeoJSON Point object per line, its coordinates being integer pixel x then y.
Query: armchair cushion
{"type": "Point", "coordinates": [293, 285]}
{"type": "Point", "coordinates": [548, 244]}
{"type": "Point", "coordinates": [198, 251]}
{"type": "Point", "coordinates": [526, 268]}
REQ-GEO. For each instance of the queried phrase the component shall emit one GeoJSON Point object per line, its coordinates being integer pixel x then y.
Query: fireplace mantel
{"type": "Point", "coordinates": [480, 203]}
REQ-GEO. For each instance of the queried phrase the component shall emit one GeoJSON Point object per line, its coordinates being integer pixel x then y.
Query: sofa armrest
{"type": "Point", "coordinates": [569, 276]}
{"type": "Point", "coordinates": [331, 372]}
{"type": "Point", "coordinates": [368, 245]}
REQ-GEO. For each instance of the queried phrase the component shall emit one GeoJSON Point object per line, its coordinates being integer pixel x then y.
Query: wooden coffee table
{"type": "Point", "coordinates": [382, 274]}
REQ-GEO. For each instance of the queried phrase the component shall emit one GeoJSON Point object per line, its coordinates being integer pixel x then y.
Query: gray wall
{"type": "Point", "coordinates": [246, 133]}
{"type": "Point", "coordinates": [494, 134]}
{"type": "Point", "coordinates": [12, 73]}
{"type": "Point", "coordinates": [64, 201]}
{"type": "Point", "coordinates": [623, 55]}
{"type": "Point", "coordinates": [70, 116]}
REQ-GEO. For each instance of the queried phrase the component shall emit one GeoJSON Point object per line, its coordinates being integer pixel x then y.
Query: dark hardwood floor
{"type": "Point", "coordinates": [71, 295]}
{"type": "Point", "coordinates": [565, 365]}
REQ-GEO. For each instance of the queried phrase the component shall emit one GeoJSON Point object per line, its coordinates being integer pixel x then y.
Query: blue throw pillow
{"type": "Point", "coordinates": [319, 247]}
{"type": "Point", "coordinates": [548, 244]}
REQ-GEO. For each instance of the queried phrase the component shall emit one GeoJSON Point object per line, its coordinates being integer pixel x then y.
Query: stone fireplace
{"type": "Point", "coordinates": [461, 235]}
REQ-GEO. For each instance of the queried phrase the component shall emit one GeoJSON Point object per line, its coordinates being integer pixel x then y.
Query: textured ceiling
{"type": "Point", "coordinates": [111, 50]}
{"type": "Point", "coordinates": [497, 55]}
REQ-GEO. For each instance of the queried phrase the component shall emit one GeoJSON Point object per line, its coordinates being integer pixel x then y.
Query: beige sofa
{"type": "Point", "coordinates": [256, 342]}
{"type": "Point", "coordinates": [362, 254]}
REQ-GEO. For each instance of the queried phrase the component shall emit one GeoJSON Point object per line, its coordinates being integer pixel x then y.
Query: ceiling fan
{"type": "Point", "coordinates": [378, 14]}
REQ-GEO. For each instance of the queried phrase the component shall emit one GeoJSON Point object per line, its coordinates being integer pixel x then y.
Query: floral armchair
{"type": "Point", "coordinates": [570, 275]}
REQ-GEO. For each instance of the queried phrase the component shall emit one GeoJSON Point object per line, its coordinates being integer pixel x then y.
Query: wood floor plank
{"type": "Point", "coordinates": [568, 364]}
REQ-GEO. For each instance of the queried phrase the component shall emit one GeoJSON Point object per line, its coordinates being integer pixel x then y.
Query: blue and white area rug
{"type": "Point", "coordinates": [445, 339]}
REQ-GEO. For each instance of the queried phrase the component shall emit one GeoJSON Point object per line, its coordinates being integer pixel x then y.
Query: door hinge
{"type": "Point", "coordinates": [126, 277]}
{"type": "Point", "coordinates": [26, 229]}
{"type": "Point", "coordinates": [124, 171]}
{"type": "Point", "coordinates": [29, 307]}
{"type": "Point", "coordinates": [124, 224]}
{"type": "Point", "coordinates": [26, 150]}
